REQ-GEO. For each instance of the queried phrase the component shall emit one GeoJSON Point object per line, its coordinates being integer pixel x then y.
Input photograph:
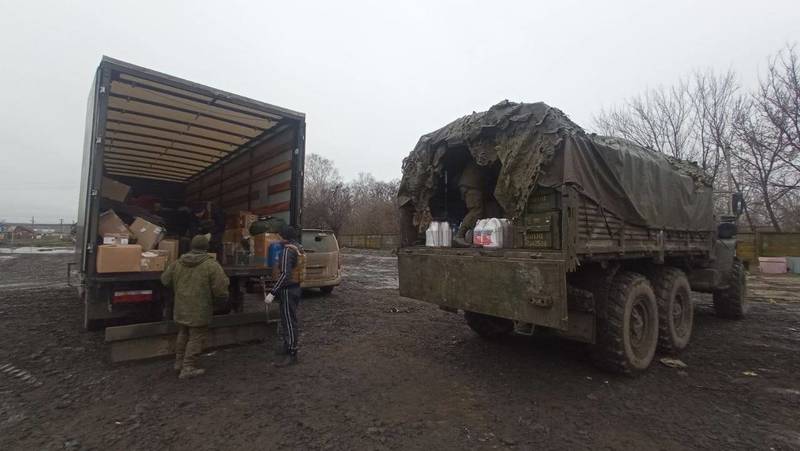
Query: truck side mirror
{"type": "Point", "coordinates": [737, 204]}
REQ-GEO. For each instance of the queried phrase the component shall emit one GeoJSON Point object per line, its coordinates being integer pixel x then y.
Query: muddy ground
{"type": "Point", "coordinates": [381, 372]}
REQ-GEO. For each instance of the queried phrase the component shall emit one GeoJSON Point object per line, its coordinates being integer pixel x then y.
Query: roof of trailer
{"type": "Point", "coordinates": [167, 128]}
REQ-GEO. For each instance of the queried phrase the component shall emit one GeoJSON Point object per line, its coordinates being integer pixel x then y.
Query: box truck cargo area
{"type": "Point", "coordinates": [174, 143]}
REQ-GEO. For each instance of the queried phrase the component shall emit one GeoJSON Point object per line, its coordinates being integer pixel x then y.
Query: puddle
{"type": "Point", "coordinates": [371, 271]}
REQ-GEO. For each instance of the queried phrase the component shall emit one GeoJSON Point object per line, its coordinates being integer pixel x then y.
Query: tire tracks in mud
{"type": "Point", "coordinates": [20, 374]}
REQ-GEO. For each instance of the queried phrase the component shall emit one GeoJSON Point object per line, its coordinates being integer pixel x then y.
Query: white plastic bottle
{"type": "Point", "coordinates": [429, 236]}
{"type": "Point", "coordinates": [493, 234]}
{"type": "Point", "coordinates": [477, 234]}
{"type": "Point", "coordinates": [446, 234]}
{"type": "Point", "coordinates": [435, 229]}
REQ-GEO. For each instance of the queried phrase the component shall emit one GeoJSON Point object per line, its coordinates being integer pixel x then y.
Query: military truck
{"type": "Point", "coordinates": [180, 142]}
{"type": "Point", "coordinates": [609, 238]}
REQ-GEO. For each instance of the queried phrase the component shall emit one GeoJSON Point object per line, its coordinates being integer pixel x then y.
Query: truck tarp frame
{"type": "Point", "coordinates": [539, 145]}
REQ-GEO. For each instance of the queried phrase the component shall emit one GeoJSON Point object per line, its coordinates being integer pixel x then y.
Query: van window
{"type": "Point", "coordinates": [319, 242]}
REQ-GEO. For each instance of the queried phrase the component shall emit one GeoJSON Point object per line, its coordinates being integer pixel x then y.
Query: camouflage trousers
{"type": "Point", "coordinates": [473, 199]}
{"type": "Point", "coordinates": [189, 344]}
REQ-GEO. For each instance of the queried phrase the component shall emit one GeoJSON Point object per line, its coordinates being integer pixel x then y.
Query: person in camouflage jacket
{"type": "Point", "coordinates": [196, 280]}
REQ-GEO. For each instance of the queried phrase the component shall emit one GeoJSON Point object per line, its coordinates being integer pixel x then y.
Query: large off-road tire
{"type": "Point", "coordinates": [731, 302]}
{"type": "Point", "coordinates": [628, 330]}
{"type": "Point", "coordinates": [488, 327]}
{"type": "Point", "coordinates": [675, 309]}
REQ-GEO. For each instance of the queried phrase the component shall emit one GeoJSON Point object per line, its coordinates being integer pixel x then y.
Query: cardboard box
{"type": "Point", "coordinates": [114, 190]}
{"type": "Point", "coordinates": [115, 238]}
{"type": "Point", "coordinates": [109, 223]}
{"type": "Point", "coordinates": [241, 220]}
{"type": "Point", "coordinates": [147, 234]}
{"type": "Point", "coordinates": [119, 258]}
{"type": "Point", "coordinates": [153, 261]}
{"type": "Point", "coordinates": [171, 247]}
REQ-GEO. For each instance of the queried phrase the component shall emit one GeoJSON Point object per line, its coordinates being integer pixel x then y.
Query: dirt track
{"type": "Point", "coordinates": [381, 372]}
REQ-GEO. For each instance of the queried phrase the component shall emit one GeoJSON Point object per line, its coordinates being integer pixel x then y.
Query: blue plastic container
{"type": "Point", "coordinates": [274, 253]}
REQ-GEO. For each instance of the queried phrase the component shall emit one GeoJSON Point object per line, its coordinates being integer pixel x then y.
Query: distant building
{"type": "Point", "coordinates": [21, 233]}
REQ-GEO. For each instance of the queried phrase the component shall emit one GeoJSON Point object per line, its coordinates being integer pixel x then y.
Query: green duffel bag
{"type": "Point", "coordinates": [267, 224]}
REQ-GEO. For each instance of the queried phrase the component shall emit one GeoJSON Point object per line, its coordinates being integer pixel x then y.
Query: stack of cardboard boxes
{"type": "Point", "coordinates": [142, 246]}
{"type": "Point", "coordinates": [237, 229]}
{"type": "Point", "coordinates": [150, 253]}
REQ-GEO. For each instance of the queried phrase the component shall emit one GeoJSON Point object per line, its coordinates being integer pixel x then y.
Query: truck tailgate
{"type": "Point", "coordinates": [506, 285]}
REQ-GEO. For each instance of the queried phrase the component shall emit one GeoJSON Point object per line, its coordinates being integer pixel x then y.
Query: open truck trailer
{"type": "Point", "coordinates": [609, 238]}
{"type": "Point", "coordinates": [182, 143]}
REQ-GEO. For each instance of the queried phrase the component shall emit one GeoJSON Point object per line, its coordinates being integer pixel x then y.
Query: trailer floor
{"type": "Point", "coordinates": [381, 372]}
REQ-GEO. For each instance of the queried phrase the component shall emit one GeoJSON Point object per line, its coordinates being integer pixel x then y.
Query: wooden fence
{"type": "Point", "coordinates": [369, 241]}
{"type": "Point", "coordinates": [750, 246]}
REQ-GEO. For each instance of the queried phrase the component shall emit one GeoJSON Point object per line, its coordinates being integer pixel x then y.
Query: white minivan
{"type": "Point", "coordinates": [323, 262]}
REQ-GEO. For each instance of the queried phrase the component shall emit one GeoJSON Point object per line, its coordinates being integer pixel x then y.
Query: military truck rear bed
{"type": "Point", "coordinates": [608, 239]}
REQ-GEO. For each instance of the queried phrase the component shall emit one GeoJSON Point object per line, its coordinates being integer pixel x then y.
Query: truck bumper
{"type": "Point", "coordinates": [516, 285]}
{"type": "Point", "coordinates": [314, 283]}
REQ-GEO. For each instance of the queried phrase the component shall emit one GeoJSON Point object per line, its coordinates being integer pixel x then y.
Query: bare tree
{"type": "Point", "coordinates": [779, 101]}
{"type": "Point", "coordinates": [761, 151]}
{"type": "Point", "coordinates": [714, 103]}
{"type": "Point", "coordinates": [661, 119]}
{"type": "Point", "coordinates": [768, 144]}
{"type": "Point", "coordinates": [327, 202]}
{"type": "Point", "coordinates": [748, 142]}
{"type": "Point", "coordinates": [374, 205]}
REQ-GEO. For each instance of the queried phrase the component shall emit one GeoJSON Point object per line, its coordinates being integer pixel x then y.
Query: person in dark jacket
{"type": "Point", "coordinates": [287, 290]}
{"type": "Point", "coordinates": [197, 280]}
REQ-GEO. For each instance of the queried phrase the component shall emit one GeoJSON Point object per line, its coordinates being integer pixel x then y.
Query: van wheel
{"type": "Point", "coordinates": [730, 303]}
{"type": "Point", "coordinates": [326, 290]}
{"type": "Point", "coordinates": [488, 327]}
{"type": "Point", "coordinates": [628, 333]}
{"type": "Point", "coordinates": [675, 309]}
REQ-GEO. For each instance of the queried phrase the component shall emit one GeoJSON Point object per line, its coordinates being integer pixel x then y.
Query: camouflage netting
{"type": "Point", "coordinates": [539, 144]}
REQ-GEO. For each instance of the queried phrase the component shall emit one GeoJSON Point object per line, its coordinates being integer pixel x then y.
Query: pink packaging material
{"type": "Point", "coordinates": [772, 265]}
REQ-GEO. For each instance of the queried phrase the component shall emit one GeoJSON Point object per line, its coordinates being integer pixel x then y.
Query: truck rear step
{"type": "Point", "coordinates": [149, 340]}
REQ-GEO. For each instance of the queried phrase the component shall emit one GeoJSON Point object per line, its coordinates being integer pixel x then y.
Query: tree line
{"type": "Point", "coordinates": [362, 206]}
{"type": "Point", "coordinates": [747, 140]}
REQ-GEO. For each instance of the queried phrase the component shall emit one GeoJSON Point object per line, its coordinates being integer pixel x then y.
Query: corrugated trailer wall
{"type": "Point", "coordinates": [258, 180]}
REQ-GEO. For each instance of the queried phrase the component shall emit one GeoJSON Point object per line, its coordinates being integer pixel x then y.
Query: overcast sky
{"type": "Point", "coordinates": [370, 76]}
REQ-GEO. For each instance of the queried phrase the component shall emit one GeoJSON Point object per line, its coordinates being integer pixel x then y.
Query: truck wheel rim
{"type": "Point", "coordinates": [639, 328]}
{"type": "Point", "coordinates": [680, 314]}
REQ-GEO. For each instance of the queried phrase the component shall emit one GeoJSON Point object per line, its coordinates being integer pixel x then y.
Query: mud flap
{"type": "Point", "coordinates": [520, 289]}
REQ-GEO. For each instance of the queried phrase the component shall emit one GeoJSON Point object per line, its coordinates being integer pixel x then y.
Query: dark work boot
{"type": "Point", "coordinates": [287, 360]}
